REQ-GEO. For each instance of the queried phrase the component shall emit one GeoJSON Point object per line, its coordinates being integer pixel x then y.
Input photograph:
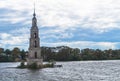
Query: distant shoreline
{"type": "Point", "coordinates": [69, 61]}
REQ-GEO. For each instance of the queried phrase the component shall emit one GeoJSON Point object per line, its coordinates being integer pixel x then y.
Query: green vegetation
{"type": "Point", "coordinates": [35, 66]}
{"type": "Point", "coordinates": [64, 53]}
{"type": "Point", "coordinates": [61, 53]}
{"type": "Point", "coordinates": [22, 65]}
{"type": "Point", "coordinates": [12, 55]}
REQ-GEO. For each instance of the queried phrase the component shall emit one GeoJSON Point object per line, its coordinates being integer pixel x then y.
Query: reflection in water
{"type": "Point", "coordinates": [71, 71]}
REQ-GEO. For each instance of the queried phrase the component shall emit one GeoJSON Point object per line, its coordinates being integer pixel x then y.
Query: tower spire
{"type": "Point", "coordinates": [34, 10]}
{"type": "Point", "coordinates": [34, 20]}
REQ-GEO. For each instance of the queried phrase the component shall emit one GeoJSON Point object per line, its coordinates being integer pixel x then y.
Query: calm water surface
{"type": "Point", "coordinates": [71, 71]}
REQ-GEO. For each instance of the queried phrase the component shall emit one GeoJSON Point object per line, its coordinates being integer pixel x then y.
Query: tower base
{"type": "Point", "coordinates": [39, 62]}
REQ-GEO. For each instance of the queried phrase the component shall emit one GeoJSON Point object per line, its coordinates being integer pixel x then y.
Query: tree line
{"type": "Point", "coordinates": [61, 53]}
{"type": "Point", "coordinates": [65, 53]}
{"type": "Point", "coordinates": [7, 55]}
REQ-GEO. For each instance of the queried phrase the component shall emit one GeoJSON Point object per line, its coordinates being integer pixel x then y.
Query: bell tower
{"type": "Point", "coordinates": [34, 54]}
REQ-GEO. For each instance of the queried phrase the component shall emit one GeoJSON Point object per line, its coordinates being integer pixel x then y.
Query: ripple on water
{"type": "Point", "coordinates": [71, 71]}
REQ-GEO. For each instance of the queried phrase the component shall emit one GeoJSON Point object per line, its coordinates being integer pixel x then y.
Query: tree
{"type": "Point", "coordinates": [8, 52]}
{"type": "Point", "coordinates": [75, 54]}
{"type": "Point", "coordinates": [48, 53]}
{"type": "Point", "coordinates": [63, 54]}
{"type": "Point", "coordinates": [16, 53]}
{"type": "Point", "coordinates": [1, 50]}
{"type": "Point", "coordinates": [87, 54]}
{"type": "Point", "coordinates": [23, 55]}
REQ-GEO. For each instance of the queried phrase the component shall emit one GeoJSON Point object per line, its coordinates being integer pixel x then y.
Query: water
{"type": "Point", "coordinates": [71, 71]}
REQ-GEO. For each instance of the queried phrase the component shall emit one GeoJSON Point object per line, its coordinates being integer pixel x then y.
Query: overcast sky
{"type": "Point", "coordinates": [75, 23]}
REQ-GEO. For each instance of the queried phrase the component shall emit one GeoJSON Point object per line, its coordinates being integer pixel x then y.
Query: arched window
{"type": "Point", "coordinates": [35, 54]}
{"type": "Point", "coordinates": [35, 35]}
{"type": "Point", "coordinates": [35, 43]}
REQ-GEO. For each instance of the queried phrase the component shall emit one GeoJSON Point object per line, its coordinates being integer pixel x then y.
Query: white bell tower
{"type": "Point", "coordinates": [34, 54]}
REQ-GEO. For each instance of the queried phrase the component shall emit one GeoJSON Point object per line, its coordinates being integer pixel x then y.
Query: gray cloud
{"type": "Point", "coordinates": [97, 15]}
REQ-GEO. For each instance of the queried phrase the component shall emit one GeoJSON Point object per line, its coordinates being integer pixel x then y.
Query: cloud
{"type": "Point", "coordinates": [59, 20]}
{"type": "Point", "coordinates": [16, 38]}
{"type": "Point", "coordinates": [13, 20]}
{"type": "Point", "coordinates": [66, 14]}
{"type": "Point", "coordinates": [94, 15]}
{"type": "Point", "coordinates": [13, 40]}
{"type": "Point", "coordinates": [21, 41]}
{"type": "Point", "coordinates": [5, 35]}
{"type": "Point", "coordinates": [85, 44]}
{"type": "Point", "coordinates": [55, 34]}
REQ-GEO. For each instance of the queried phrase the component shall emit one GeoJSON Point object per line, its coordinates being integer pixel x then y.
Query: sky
{"type": "Point", "coordinates": [80, 24]}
